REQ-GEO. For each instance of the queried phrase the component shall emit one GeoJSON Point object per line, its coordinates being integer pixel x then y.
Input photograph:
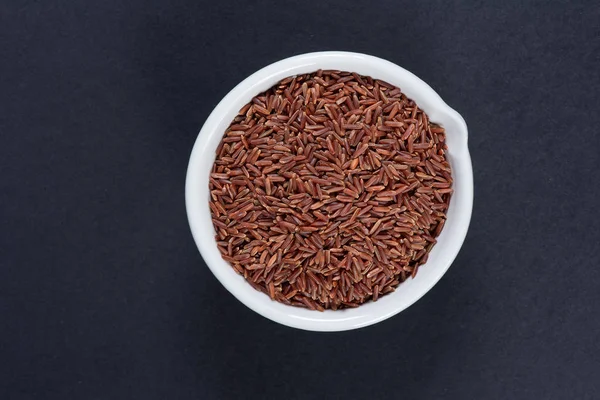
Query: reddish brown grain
{"type": "Point", "coordinates": [329, 189]}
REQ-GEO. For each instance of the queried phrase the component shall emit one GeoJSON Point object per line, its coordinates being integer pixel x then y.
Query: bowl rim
{"type": "Point", "coordinates": [258, 82]}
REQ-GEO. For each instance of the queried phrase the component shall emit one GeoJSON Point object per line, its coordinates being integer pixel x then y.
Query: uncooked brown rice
{"type": "Point", "coordinates": [329, 190]}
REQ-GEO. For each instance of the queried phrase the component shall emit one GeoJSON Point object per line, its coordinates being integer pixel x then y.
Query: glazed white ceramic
{"type": "Point", "coordinates": [442, 255]}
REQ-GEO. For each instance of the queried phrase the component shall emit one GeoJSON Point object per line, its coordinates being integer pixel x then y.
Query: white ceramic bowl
{"type": "Point", "coordinates": [440, 258]}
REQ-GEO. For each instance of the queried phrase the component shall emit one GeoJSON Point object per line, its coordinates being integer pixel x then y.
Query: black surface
{"type": "Point", "coordinates": [103, 294]}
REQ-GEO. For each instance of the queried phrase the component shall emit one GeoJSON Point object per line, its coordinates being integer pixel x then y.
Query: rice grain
{"type": "Point", "coordinates": [329, 189]}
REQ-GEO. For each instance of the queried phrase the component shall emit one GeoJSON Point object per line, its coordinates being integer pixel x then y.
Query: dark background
{"type": "Point", "coordinates": [103, 294]}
